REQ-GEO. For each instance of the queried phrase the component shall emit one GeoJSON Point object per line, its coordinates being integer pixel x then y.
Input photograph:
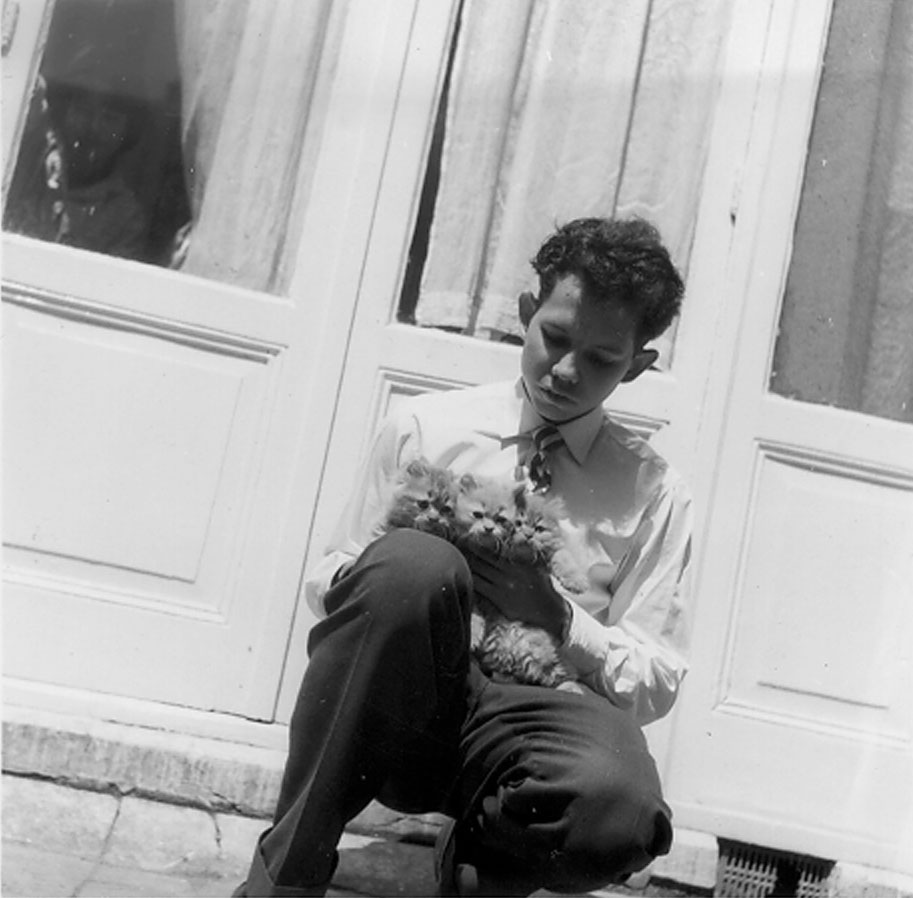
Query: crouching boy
{"type": "Point", "coordinates": [546, 787]}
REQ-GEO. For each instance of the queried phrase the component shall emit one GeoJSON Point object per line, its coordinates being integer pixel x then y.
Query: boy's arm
{"type": "Point", "coordinates": [638, 660]}
{"type": "Point", "coordinates": [362, 517]}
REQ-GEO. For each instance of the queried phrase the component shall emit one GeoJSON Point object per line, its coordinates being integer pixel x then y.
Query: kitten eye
{"type": "Point", "coordinates": [500, 519]}
{"type": "Point", "coordinates": [478, 515]}
{"type": "Point", "coordinates": [423, 504]}
{"type": "Point", "coordinates": [446, 509]}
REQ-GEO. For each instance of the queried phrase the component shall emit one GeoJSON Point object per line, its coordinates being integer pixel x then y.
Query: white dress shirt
{"type": "Point", "coordinates": [628, 524]}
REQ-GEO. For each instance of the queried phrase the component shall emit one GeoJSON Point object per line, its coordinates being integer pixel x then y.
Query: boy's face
{"type": "Point", "coordinates": [577, 350]}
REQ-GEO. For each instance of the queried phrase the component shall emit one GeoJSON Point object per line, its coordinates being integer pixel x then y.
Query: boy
{"type": "Point", "coordinates": [547, 788]}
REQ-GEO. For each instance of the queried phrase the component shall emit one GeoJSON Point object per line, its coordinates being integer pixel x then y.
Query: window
{"type": "Point", "coordinates": [846, 328]}
{"type": "Point", "coordinates": [552, 111]}
{"type": "Point", "coordinates": [176, 133]}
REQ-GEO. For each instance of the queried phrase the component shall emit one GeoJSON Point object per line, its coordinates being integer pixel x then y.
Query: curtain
{"type": "Point", "coordinates": [560, 109]}
{"type": "Point", "coordinates": [248, 71]}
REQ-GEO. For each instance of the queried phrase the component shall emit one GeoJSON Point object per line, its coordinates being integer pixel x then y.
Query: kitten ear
{"type": "Point", "coordinates": [468, 482]}
{"type": "Point", "coordinates": [445, 477]}
{"type": "Point", "coordinates": [418, 467]}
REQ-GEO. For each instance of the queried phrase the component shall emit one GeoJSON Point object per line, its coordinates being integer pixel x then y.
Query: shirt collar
{"type": "Point", "coordinates": [578, 435]}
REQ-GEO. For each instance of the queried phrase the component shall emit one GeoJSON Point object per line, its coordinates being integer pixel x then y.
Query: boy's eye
{"type": "Point", "coordinates": [554, 338]}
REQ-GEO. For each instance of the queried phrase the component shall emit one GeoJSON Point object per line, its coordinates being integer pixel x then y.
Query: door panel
{"type": "Point", "coordinates": [148, 412]}
{"type": "Point", "coordinates": [807, 520]}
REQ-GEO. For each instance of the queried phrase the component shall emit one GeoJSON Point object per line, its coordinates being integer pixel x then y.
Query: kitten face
{"type": "Point", "coordinates": [484, 513]}
{"type": "Point", "coordinates": [424, 499]}
{"type": "Point", "coordinates": [534, 538]}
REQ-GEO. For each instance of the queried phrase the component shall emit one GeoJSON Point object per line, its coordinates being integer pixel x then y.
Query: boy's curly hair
{"type": "Point", "coordinates": [621, 258]}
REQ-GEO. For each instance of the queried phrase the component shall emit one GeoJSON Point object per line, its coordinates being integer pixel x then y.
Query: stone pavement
{"type": "Point", "coordinates": [59, 841]}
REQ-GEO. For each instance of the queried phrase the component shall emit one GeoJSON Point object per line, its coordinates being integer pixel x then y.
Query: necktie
{"type": "Point", "coordinates": [544, 438]}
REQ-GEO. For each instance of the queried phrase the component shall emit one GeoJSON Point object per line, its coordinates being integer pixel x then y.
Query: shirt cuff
{"type": "Point", "coordinates": [586, 641]}
{"type": "Point", "coordinates": [320, 579]}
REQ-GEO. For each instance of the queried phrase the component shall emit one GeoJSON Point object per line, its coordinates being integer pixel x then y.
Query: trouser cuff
{"type": "Point", "coordinates": [260, 884]}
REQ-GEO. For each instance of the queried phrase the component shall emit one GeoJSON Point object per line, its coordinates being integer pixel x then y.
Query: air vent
{"type": "Point", "coordinates": [750, 871]}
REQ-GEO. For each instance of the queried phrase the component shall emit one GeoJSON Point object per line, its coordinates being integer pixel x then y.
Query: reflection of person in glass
{"type": "Point", "coordinates": [97, 128]}
{"type": "Point", "coordinates": [80, 131]}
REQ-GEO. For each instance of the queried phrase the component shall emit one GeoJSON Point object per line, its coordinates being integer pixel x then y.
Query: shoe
{"type": "Point", "coordinates": [455, 878]}
{"type": "Point", "coordinates": [450, 877]}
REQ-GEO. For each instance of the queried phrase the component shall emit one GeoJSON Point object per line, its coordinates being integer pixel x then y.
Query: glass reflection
{"type": "Point", "coordinates": [99, 165]}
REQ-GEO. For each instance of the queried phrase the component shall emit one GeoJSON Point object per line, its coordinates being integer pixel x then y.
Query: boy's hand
{"type": "Point", "coordinates": [519, 592]}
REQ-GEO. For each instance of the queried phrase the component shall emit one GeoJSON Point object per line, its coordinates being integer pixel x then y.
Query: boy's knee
{"type": "Point", "coordinates": [574, 838]}
{"type": "Point", "coordinates": [409, 570]}
{"type": "Point", "coordinates": [617, 828]}
{"type": "Point", "coordinates": [420, 559]}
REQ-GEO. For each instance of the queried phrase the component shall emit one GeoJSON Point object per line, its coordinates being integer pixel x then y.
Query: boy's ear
{"type": "Point", "coordinates": [527, 304]}
{"type": "Point", "coordinates": [641, 361]}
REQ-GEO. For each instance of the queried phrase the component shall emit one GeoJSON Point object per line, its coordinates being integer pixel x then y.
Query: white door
{"type": "Point", "coordinates": [796, 726]}
{"type": "Point", "coordinates": [164, 434]}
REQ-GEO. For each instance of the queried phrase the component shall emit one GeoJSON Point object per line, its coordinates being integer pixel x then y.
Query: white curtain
{"type": "Point", "coordinates": [560, 109]}
{"type": "Point", "coordinates": [248, 71]}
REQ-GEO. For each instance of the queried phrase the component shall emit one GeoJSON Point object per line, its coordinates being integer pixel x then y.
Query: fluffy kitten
{"type": "Point", "coordinates": [484, 514]}
{"type": "Point", "coordinates": [536, 539]}
{"type": "Point", "coordinates": [424, 498]}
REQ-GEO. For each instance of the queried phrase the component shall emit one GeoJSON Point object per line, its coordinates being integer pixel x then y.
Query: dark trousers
{"type": "Point", "coordinates": [550, 789]}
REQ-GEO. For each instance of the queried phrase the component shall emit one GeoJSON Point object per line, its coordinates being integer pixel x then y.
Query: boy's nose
{"type": "Point", "coordinates": [565, 369]}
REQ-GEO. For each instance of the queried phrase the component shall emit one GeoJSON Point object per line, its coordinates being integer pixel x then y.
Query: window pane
{"type": "Point", "coordinates": [100, 165]}
{"type": "Point", "coordinates": [552, 112]}
{"type": "Point", "coordinates": [846, 329]}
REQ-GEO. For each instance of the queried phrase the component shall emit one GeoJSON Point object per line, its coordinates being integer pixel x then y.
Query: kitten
{"type": "Point", "coordinates": [537, 539]}
{"type": "Point", "coordinates": [424, 498]}
{"type": "Point", "coordinates": [483, 514]}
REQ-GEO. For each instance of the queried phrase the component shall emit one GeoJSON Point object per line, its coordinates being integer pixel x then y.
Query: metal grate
{"type": "Point", "coordinates": [750, 871]}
